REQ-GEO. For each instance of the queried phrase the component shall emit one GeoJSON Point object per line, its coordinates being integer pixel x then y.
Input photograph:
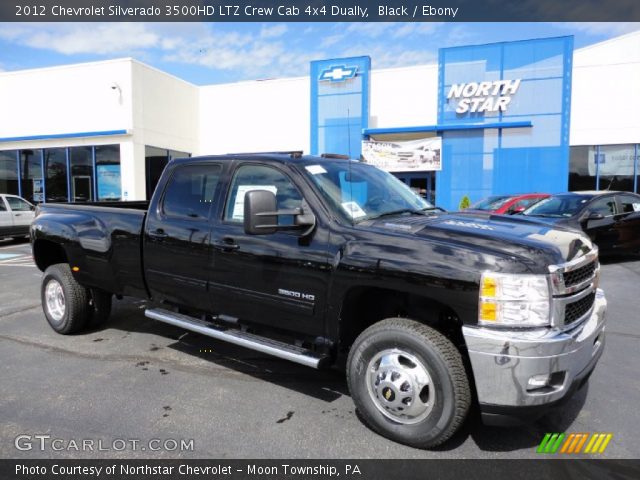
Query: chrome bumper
{"type": "Point", "coordinates": [503, 362]}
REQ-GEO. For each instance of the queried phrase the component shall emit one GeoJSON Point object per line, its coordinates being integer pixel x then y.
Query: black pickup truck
{"type": "Point", "coordinates": [330, 262]}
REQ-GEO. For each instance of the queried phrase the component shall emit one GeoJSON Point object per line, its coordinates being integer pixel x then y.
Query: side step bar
{"type": "Point", "coordinates": [237, 337]}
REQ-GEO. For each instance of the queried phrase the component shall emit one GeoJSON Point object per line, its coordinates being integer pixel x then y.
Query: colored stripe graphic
{"type": "Point", "coordinates": [574, 442]}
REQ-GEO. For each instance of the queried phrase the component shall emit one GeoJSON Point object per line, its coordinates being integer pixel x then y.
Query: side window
{"type": "Point", "coordinates": [629, 204]}
{"type": "Point", "coordinates": [260, 177]}
{"type": "Point", "coordinates": [606, 206]}
{"type": "Point", "coordinates": [191, 191]}
{"type": "Point", "coordinates": [2, 207]}
{"type": "Point", "coordinates": [18, 205]}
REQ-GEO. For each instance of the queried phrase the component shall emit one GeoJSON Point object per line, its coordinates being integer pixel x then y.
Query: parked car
{"type": "Point", "coordinates": [15, 216]}
{"type": "Point", "coordinates": [427, 311]}
{"type": "Point", "coordinates": [611, 219]}
{"type": "Point", "coordinates": [507, 204]}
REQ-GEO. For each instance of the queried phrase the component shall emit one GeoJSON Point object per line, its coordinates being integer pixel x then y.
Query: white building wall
{"type": "Point", "coordinates": [605, 98]}
{"type": "Point", "coordinates": [404, 97]}
{"type": "Point", "coordinates": [268, 115]}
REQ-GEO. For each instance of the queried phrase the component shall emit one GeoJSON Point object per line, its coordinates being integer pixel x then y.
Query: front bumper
{"type": "Point", "coordinates": [503, 363]}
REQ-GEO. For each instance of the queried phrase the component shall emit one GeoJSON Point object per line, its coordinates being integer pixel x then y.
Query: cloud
{"type": "Point", "coordinates": [601, 29]}
{"type": "Point", "coordinates": [273, 31]}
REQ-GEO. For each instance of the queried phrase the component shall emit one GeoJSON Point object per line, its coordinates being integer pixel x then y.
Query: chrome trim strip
{"type": "Point", "coordinates": [576, 262]}
{"type": "Point", "coordinates": [254, 342]}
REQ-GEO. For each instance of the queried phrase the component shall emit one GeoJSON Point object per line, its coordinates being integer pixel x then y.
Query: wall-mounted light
{"type": "Point", "coordinates": [115, 87]}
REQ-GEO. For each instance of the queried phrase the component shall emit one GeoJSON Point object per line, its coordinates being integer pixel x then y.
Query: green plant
{"type": "Point", "coordinates": [464, 203]}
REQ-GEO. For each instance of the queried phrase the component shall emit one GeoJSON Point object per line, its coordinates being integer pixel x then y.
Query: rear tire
{"type": "Point", "coordinates": [408, 382]}
{"type": "Point", "coordinates": [64, 301]}
{"type": "Point", "coordinates": [99, 306]}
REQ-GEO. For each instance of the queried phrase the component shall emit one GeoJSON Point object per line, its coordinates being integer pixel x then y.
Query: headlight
{"type": "Point", "coordinates": [514, 300]}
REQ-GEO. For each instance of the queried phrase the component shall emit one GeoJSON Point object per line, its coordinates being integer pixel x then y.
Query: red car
{"type": "Point", "coordinates": [507, 204]}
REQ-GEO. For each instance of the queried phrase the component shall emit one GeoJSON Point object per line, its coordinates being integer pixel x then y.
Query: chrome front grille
{"type": "Point", "coordinates": [574, 287]}
{"type": "Point", "coordinates": [576, 310]}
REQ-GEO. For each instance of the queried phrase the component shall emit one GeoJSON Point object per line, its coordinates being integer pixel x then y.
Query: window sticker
{"type": "Point", "coordinates": [238, 205]}
{"type": "Point", "coordinates": [353, 209]}
{"type": "Point", "coordinates": [636, 207]}
{"type": "Point", "coordinates": [315, 169]}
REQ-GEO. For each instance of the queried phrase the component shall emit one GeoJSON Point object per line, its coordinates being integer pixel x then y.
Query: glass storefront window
{"type": "Point", "coordinates": [8, 172]}
{"type": "Point", "coordinates": [616, 168]}
{"type": "Point", "coordinates": [31, 175]}
{"type": "Point", "coordinates": [81, 160]}
{"type": "Point", "coordinates": [55, 167]}
{"type": "Point", "coordinates": [108, 172]}
{"type": "Point", "coordinates": [582, 169]}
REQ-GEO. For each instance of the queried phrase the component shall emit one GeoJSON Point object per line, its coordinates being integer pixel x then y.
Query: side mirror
{"type": "Point", "coordinates": [32, 208]}
{"type": "Point", "coordinates": [260, 216]}
{"type": "Point", "coordinates": [517, 210]}
{"type": "Point", "coordinates": [595, 216]}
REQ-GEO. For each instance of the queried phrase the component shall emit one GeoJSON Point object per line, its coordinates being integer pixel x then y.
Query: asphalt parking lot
{"type": "Point", "coordinates": [142, 380]}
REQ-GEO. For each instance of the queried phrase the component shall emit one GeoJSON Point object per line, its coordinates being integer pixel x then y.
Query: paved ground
{"type": "Point", "coordinates": [138, 379]}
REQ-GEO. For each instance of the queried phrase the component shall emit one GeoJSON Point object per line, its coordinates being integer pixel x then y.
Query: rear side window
{"type": "Point", "coordinates": [629, 204]}
{"type": "Point", "coordinates": [191, 191]}
{"type": "Point", "coordinates": [18, 205]}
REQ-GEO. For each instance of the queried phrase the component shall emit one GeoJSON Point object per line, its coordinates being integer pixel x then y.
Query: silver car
{"type": "Point", "coordinates": [16, 215]}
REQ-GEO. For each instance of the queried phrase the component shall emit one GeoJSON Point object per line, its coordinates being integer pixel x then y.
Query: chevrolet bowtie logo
{"type": "Point", "coordinates": [338, 73]}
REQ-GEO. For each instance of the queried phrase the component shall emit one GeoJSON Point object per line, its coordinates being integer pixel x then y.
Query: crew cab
{"type": "Point", "coordinates": [331, 262]}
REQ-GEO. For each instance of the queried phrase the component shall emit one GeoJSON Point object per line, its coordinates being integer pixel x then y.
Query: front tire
{"type": "Point", "coordinates": [65, 302]}
{"type": "Point", "coordinates": [408, 382]}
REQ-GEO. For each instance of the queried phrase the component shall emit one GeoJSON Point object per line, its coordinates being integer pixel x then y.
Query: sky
{"type": "Point", "coordinates": [210, 53]}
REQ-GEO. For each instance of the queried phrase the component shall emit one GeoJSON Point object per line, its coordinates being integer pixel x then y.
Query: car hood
{"type": "Point", "coordinates": [537, 244]}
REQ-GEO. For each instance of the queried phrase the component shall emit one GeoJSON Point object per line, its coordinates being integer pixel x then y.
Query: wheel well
{"type": "Point", "coordinates": [364, 306]}
{"type": "Point", "coordinates": [47, 253]}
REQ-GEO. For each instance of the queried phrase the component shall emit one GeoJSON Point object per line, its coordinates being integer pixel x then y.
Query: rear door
{"type": "Point", "coordinates": [177, 251]}
{"type": "Point", "coordinates": [279, 279]}
{"type": "Point", "coordinates": [6, 219]}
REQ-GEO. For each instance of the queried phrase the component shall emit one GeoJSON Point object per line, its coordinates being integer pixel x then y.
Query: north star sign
{"type": "Point", "coordinates": [338, 73]}
{"type": "Point", "coordinates": [483, 96]}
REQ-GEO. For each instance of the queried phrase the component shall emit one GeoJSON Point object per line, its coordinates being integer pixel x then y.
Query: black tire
{"type": "Point", "coordinates": [99, 306]}
{"type": "Point", "coordinates": [444, 365]}
{"type": "Point", "coordinates": [75, 302]}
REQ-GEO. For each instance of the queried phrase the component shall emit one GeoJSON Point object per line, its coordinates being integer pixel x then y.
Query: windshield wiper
{"type": "Point", "coordinates": [395, 212]}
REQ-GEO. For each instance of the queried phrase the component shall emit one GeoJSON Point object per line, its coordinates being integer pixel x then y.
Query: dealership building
{"type": "Point", "coordinates": [511, 117]}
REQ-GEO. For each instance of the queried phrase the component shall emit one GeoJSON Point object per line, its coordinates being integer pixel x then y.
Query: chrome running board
{"type": "Point", "coordinates": [237, 337]}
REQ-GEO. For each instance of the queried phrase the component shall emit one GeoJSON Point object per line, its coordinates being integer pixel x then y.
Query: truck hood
{"type": "Point", "coordinates": [534, 243]}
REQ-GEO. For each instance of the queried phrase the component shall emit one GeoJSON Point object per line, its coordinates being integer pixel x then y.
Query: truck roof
{"type": "Point", "coordinates": [280, 157]}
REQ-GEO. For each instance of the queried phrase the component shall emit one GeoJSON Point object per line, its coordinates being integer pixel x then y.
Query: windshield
{"type": "Point", "coordinates": [560, 206]}
{"type": "Point", "coordinates": [358, 192]}
{"type": "Point", "coordinates": [491, 203]}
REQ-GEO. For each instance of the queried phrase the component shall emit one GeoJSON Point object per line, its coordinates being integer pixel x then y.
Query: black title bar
{"type": "Point", "coordinates": [318, 11]}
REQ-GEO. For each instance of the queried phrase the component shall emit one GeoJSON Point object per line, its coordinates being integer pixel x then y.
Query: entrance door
{"type": "Point", "coordinates": [81, 188]}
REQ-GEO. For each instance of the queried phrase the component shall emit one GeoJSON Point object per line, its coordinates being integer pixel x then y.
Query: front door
{"type": "Point", "coordinates": [6, 219]}
{"type": "Point", "coordinates": [22, 213]}
{"type": "Point", "coordinates": [278, 279]}
{"type": "Point", "coordinates": [602, 230]}
{"type": "Point", "coordinates": [81, 188]}
{"type": "Point", "coordinates": [177, 254]}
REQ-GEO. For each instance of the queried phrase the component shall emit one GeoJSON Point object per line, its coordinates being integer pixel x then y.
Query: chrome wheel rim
{"type": "Point", "coordinates": [400, 386]}
{"type": "Point", "coordinates": [54, 296]}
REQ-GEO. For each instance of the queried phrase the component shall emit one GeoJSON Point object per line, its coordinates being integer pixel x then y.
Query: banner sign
{"type": "Point", "coordinates": [421, 155]}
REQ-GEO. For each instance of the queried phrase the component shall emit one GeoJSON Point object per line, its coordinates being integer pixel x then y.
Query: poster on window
{"type": "Point", "coordinates": [612, 160]}
{"type": "Point", "coordinates": [109, 183]}
{"type": "Point", "coordinates": [38, 195]}
{"type": "Point", "coordinates": [404, 156]}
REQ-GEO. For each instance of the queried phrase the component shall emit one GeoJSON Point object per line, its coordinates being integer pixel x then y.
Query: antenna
{"type": "Point", "coordinates": [349, 160]}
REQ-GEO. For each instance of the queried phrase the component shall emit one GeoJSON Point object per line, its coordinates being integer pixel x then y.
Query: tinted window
{"type": "Point", "coordinates": [629, 203]}
{"type": "Point", "coordinates": [2, 207]}
{"type": "Point", "coordinates": [606, 206]}
{"type": "Point", "coordinates": [558, 206]}
{"type": "Point", "coordinates": [259, 177]}
{"type": "Point", "coordinates": [191, 191]}
{"type": "Point", "coordinates": [17, 204]}
{"type": "Point", "coordinates": [491, 203]}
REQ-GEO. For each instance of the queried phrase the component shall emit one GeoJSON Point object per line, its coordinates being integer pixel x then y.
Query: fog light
{"type": "Point", "coordinates": [538, 381]}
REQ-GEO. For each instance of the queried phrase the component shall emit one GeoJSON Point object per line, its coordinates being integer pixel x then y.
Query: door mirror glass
{"type": "Point", "coordinates": [260, 216]}
{"type": "Point", "coordinates": [595, 216]}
